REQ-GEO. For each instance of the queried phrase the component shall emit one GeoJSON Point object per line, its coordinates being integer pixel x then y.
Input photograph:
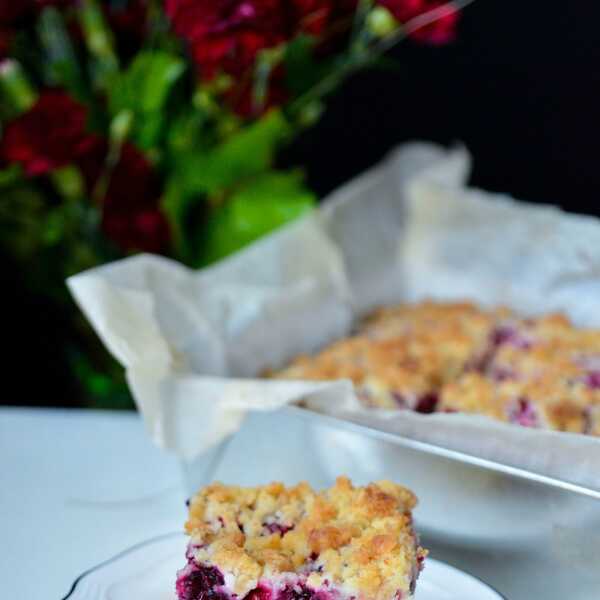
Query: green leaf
{"type": "Point", "coordinates": [260, 206]}
{"type": "Point", "coordinates": [176, 205]}
{"type": "Point", "coordinates": [143, 90]}
{"type": "Point", "coordinates": [100, 42]}
{"type": "Point", "coordinates": [16, 91]}
{"type": "Point", "coordinates": [68, 181]}
{"type": "Point", "coordinates": [266, 61]}
{"type": "Point", "coordinates": [22, 219]}
{"type": "Point", "coordinates": [247, 153]}
{"type": "Point", "coordinates": [147, 82]}
{"type": "Point", "coordinates": [197, 171]}
{"type": "Point", "coordinates": [61, 67]}
{"type": "Point", "coordinates": [10, 175]}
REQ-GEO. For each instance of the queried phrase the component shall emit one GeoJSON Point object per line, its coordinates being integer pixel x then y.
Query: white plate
{"type": "Point", "coordinates": [148, 571]}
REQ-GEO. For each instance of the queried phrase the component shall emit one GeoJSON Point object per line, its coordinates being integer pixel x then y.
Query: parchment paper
{"type": "Point", "coordinates": [193, 342]}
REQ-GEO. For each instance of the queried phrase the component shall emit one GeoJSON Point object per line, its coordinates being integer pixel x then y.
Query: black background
{"type": "Point", "coordinates": [520, 88]}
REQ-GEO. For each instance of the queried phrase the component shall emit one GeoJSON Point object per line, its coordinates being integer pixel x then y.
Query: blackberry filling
{"type": "Point", "coordinates": [259, 593]}
{"type": "Point", "coordinates": [277, 528]}
{"type": "Point", "coordinates": [298, 592]}
{"type": "Point", "coordinates": [523, 413]}
{"type": "Point", "coordinates": [509, 335]}
{"type": "Point", "coordinates": [592, 380]}
{"type": "Point", "coordinates": [502, 374]}
{"type": "Point", "coordinates": [200, 583]}
{"type": "Point", "coordinates": [427, 403]}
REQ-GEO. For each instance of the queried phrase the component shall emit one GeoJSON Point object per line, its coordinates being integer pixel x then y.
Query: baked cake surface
{"type": "Point", "coordinates": [279, 543]}
{"type": "Point", "coordinates": [456, 357]}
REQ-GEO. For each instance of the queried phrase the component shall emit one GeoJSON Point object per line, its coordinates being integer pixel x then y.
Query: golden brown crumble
{"type": "Point", "coordinates": [457, 357]}
{"type": "Point", "coordinates": [359, 540]}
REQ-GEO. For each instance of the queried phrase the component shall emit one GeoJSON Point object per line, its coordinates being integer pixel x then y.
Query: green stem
{"type": "Point", "coordinates": [15, 86]}
{"type": "Point", "coordinates": [418, 22]}
{"type": "Point", "coordinates": [99, 41]}
{"type": "Point", "coordinates": [112, 158]}
{"type": "Point", "coordinates": [360, 58]}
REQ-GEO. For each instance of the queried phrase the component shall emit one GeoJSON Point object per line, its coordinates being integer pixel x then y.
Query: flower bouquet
{"type": "Point", "coordinates": [143, 125]}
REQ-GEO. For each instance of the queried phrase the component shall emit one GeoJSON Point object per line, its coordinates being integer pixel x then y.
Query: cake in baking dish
{"type": "Point", "coordinates": [292, 543]}
{"type": "Point", "coordinates": [456, 357]}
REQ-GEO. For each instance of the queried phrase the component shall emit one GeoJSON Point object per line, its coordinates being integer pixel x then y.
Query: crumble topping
{"type": "Point", "coordinates": [354, 542]}
{"type": "Point", "coordinates": [457, 357]}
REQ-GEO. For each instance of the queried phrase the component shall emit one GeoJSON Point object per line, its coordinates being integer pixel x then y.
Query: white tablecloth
{"type": "Point", "coordinates": [76, 488]}
{"type": "Point", "coordinates": [79, 487]}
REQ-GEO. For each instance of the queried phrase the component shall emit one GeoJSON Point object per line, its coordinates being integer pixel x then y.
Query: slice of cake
{"type": "Point", "coordinates": [278, 543]}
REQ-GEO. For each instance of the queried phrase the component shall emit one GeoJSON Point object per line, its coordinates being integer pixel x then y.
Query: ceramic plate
{"type": "Point", "coordinates": [148, 571]}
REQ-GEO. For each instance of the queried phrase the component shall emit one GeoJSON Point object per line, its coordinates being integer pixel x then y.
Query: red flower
{"type": "Point", "coordinates": [131, 216]}
{"type": "Point", "coordinates": [226, 35]}
{"type": "Point", "coordinates": [46, 137]}
{"type": "Point", "coordinates": [440, 31]}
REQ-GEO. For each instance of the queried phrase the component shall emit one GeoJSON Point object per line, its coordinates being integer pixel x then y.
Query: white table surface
{"type": "Point", "coordinates": [79, 487]}
{"type": "Point", "coordinates": [76, 488]}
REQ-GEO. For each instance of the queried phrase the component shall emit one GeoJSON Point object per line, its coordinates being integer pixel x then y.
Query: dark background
{"type": "Point", "coordinates": [520, 88]}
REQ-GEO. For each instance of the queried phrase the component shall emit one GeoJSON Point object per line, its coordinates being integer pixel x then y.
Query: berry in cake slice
{"type": "Point", "coordinates": [279, 543]}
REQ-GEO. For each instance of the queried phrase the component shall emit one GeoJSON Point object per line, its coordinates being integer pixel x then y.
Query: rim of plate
{"type": "Point", "coordinates": [164, 536]}
{"type": "Point", "coordinates": [121, 554]}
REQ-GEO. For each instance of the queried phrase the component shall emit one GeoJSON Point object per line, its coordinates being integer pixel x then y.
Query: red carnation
{"type": "Point", "coordinates": [47, 136]}
{"type": "Point", "coordinates": [131, 215]}
{"type": "Point", "coordinates": [440, 31]}
{"type": "Point", "coordinates": [227, 35]}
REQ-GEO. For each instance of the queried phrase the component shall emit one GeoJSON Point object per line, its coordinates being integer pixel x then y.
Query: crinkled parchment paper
{"type": "Point", "coordinates": [193, 342]}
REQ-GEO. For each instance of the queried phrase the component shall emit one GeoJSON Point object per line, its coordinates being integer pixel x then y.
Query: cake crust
{"type": "Point", "coordinates": [343, 542]}
{"type": "Point", "coordinates": [456, 357]}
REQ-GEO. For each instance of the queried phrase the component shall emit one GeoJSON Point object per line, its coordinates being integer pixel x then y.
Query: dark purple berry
{"type": "Point", "coordinates": [427, 403]}
{"type": "Point", "coordinates": [296, 592]}
{"type": "Point", "coordinates": [278, 528]}
{"type": "Point", "coordinates": [200, 583]}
